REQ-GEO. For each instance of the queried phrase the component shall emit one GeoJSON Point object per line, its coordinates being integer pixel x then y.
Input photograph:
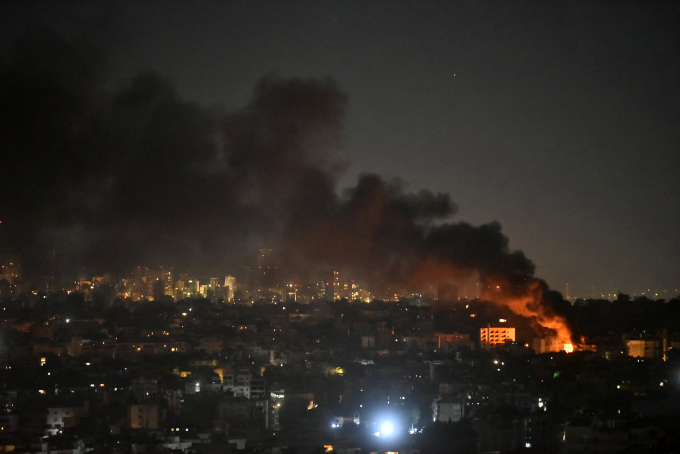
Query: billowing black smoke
{"type": "Point", "coordinates": [113, 178]}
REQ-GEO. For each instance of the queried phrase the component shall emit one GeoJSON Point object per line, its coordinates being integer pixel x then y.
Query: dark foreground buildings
{"type": "Point", "coordinates": [80, 372]}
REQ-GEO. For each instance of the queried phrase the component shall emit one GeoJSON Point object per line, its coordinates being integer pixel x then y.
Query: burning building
{"type": "Point", "coordinates": [547, 344]}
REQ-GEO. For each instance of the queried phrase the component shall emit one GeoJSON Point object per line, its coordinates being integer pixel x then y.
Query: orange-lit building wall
{"type": "Point", "coordinates": [640, 348]}
{"type": "Point", "coordinates": [492, 336]}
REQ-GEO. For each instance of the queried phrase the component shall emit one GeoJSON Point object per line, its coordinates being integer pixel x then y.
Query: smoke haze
{"type": "Point", "coordinates": [110, 178]}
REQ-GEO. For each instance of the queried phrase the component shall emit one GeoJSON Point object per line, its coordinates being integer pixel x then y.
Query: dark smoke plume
{"type": "Point", "coordinates": [113, 178]}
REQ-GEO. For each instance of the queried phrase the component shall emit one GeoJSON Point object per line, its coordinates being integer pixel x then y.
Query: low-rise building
{"type": "Point", "coordinates": [144, 416]}
{"type": "Point", "coordinates": [444, 410]}
{"type": "Point", "coordinates": [491, 336]}
{"type": "Point", "coordinates": [643, 348]}
{"type": "Point", "coordinates": [60, 417]}
{"type": "Point", "coordinates": [548, 344]}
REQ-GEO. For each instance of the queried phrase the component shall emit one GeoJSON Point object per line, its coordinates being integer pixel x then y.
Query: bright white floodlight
{"type": "Point", "coordinates": [386, 429]}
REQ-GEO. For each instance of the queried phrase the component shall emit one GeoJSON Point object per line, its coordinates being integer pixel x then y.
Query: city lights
{"type": "Point", "coordinates": [371, 208]}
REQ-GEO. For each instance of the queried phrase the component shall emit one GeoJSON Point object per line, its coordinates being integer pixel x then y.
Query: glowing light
{"type": "Point", "coordinates": [569, 348]}
{"type": "Point", "coordinates": [386, 429]}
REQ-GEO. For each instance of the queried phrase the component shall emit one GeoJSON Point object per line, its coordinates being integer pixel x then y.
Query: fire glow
{"type": "Point", "coordinates": [530, 305]}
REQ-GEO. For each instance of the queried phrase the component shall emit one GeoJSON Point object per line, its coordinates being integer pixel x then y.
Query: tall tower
{"type": "Point", "coordinates": [265, 269]}
{"type": "Point", "coordinates": [168, 281]}
{"type": "Point", "coordinates": [336, 285]}
{"type": "Point", "coordinates": [230, 285]}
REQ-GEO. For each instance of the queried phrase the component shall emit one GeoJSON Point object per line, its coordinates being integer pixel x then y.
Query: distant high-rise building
{"type": "Point", "coordinates": [150, 283]}
{"type": "Point", "coordinates": [291, 292]}
{"type": "Point", "coordinates": [264, 258]}
{"type": "Point", "coordinates": [230, 285]}
{"type": "Point", "coordinates": [168, 282]}
{"type": "Point", "coordinates": [140, 288]}
{"type": "Point", "coordinates": [336, 285]}
{"type": "Point", "coordinates": [179, 290]}
{"type": "Point", "coordinates": [192, 287]}
{"type": "Point", "coordinates": [265, 276]}
{"type": "Point", "coordinates": [250, 279]}
{"type": "Point", "coordinates": [158, 290]}
{"type": "Point", "coordinates": [326, 282]}
{"type": "Point", "coordinates": [322, 291]}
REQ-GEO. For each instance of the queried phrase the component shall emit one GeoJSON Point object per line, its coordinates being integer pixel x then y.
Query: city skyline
{"type": "Point", "coordinates": [580, 183]}
{"type": "Point", "coordinates": [366, 226]}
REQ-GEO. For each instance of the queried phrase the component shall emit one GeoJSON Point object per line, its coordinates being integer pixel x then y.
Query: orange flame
{"type": "Point", "coordinates": [529, 305]}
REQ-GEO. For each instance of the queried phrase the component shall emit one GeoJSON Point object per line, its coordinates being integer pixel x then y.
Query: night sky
{"type": "Point", "coordinates": [560, 120]}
